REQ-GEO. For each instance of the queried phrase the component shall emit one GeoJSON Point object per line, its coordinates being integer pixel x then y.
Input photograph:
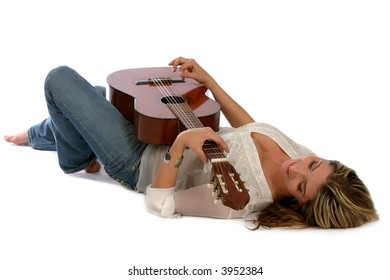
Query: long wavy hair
{"type": "Point", "coordinates": [343, 202]}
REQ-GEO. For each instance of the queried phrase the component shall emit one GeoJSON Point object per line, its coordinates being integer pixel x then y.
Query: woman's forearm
{"type": "Point", "coordinates": [192, 139]}
{"type": "Point", "coordinates": [234, 113]}
{"type": "Point", "coordinates": [167, 174]}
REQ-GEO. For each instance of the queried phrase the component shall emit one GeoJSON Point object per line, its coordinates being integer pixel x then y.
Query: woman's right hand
{"type": "Point", "coordinates": [195, 138]}
{"type": "Point", "coordinates": [234, 113]}
{"type": "Point", "coordinates": [189, 68]}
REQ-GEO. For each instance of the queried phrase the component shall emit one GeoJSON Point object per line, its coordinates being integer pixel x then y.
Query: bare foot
{"type": "Point", "coordinates": [18, 139]}
{"type": "Point", "coordinates": [93, 167]}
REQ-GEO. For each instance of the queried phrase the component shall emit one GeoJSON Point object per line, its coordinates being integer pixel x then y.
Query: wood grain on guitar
{"type": "Point", "coordinates": [143, 105]}
{"type": "Point", "coordinates": [161, 105]}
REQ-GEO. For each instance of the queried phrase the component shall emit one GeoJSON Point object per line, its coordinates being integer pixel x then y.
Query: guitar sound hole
{"type": "Point", "coordinates": [173, 100]}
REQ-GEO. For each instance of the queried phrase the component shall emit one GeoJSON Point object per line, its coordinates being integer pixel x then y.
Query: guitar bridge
{"type": "Point", "coordinates": [165, 81]}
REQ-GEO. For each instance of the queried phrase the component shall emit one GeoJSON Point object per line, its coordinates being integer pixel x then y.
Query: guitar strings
{"type": "Point", "coordinates": [172, 102]}
{"type": "Point", "coordinates": [223, 168]}
{"type": "Point", "coordinates": [179, 110]}
{"type": "Point", "coordinates": [168, 93]}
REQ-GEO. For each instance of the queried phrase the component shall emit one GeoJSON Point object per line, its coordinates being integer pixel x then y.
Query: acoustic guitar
{"type": "Point", "coordinates": [161, 105]}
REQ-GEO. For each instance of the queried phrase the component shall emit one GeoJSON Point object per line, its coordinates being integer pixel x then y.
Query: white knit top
{"type": "Point", "coordinates": [191, 196]}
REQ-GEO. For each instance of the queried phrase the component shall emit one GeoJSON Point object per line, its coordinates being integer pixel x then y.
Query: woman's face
{"type": "Point", "coordinates": [305, 176]}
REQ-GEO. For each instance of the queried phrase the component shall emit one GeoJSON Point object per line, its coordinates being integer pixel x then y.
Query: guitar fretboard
{"type": "Point", "coordinates": [227, 181]}
{"type": "Point", "coordinates": [185, 114]}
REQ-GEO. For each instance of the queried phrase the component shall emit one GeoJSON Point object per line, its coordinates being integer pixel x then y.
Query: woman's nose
{"type": "Point", "coordinates": [299, 170]}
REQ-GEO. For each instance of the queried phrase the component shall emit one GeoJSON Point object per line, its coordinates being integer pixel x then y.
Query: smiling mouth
{"type": "Point", "coordinates": [288, 168]}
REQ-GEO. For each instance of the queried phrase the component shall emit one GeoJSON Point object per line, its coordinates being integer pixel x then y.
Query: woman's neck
{"type": "Point", "coordinates": [271, 158]}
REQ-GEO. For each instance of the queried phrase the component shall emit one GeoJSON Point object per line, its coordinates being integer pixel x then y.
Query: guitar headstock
{"type": "Point", "coordinates": [228, 186]}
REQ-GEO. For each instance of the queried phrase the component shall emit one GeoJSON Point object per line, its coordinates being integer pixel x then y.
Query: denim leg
{"type": "Point", "coordinates": [41, 137]}
{"type": "Point", "coordinates": [86, 125]}
{"type": "Point", "coordinates": [101, 90]}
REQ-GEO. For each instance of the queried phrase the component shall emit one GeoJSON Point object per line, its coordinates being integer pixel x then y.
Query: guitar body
{"type": "Point", "coordinates": [161, 105]}
{"type": "Point", "coordinates": [143, 104]}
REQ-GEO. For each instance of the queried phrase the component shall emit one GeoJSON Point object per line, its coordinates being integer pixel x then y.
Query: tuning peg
{"type": "Point", "coordinates": [239, 175]}
{"type": "Point", "coordinates": [212, 183]}
{"type": "Point", "coordinates": [217, 197]}
{"type": "Point", "coordinates": [216, 193]}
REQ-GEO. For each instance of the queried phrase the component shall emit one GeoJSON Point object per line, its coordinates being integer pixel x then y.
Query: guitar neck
{"type": "Point", "coordinates": [185, 114]}
{"type": "Point", "coordinates": [227, 183]}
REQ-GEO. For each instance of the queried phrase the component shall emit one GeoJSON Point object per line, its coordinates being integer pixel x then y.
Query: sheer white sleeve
{"type": "Point", "coordinates": [160, 201]}
{"type": "Point", "coordinates": [196, 201]}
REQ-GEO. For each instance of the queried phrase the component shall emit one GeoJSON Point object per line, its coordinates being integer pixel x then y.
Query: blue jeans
{"type": "Point", "coordinates": [83, 126]}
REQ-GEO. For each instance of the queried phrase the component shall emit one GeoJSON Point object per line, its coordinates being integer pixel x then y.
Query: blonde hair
{"type": "Point", "coordinates": [343, 202]}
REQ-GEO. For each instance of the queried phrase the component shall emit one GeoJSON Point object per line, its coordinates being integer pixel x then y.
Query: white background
{"type": "Point", "coordinates": [317, 70]}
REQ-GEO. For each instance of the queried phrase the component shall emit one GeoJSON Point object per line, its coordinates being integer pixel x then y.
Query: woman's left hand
{"type": "Point", "coordinates": [195, 138]}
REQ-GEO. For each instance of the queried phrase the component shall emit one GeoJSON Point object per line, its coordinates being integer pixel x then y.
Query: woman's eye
{"type": "Point", "coordinates": [312, 164]}
{"type": "Point", "coordinates": [300, 187]}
